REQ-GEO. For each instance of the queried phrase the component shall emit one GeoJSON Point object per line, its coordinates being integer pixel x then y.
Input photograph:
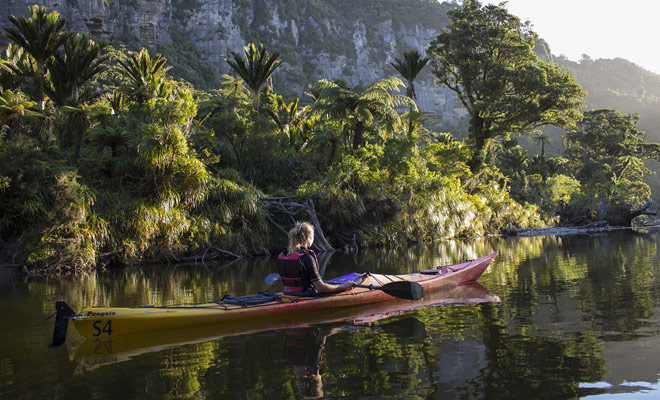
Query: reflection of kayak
{"type": "Point", "coordinates": [106, 350]}
{"type": "Point", "coordinates": [103, 322]}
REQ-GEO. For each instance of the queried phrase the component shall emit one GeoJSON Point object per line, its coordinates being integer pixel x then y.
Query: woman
{"type": "Point", "coordinates": [299, 268]}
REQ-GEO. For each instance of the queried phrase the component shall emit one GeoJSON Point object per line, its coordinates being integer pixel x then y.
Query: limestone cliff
{"type": "Point", "coordinates": [351, 40]}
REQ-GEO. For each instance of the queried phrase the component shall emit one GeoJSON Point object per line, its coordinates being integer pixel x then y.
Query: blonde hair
{"type": "Point", "coordinates": [300, 235]}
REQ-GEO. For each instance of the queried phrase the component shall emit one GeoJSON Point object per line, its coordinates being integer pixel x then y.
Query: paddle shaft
{"type": "Point", "coordinates": [370, 287]}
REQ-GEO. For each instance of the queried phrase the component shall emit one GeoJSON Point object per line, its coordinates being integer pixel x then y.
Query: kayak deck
{"type": "Point", "coordinates": [99, 322]}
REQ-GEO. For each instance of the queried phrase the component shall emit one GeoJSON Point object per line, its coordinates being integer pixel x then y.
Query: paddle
{"type": "Point", "coordinates": [400, 289]}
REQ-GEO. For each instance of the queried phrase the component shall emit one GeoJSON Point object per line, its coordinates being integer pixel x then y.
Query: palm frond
{"type": "Point", "coordinates": [40, 35]}
{"type": "Point", "coordinates": [146, 75]}
{"type": "Point", "coordinates": [256, 68]}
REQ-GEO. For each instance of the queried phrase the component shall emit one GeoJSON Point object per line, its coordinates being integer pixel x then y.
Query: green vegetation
{"type": "Point", "coordinates": [606, 155]}
{"type": "Point", "coordinates": [409, 67]}
{"type": "Point", "coordinates": [256, 69]}
{"type": "Point", "coordinates": [116, 162]}
{"type": "Point", "coordinates": [621, 85]}
{"type": "Point", "coordinates": [486, 56]}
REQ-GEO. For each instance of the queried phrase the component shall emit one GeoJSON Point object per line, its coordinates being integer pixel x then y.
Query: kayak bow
{"type": "Point", "coordinates": [103, 322]}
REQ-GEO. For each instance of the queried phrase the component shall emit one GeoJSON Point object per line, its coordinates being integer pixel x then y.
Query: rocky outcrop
{"type": "Point", "coordinates": [330, 39]}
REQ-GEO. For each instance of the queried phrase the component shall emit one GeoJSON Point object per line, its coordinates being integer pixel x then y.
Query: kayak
{"type": "Point", "coordinates": [100, 322]}
{"type": "Point", "coordinates": [103, 322]}
{"type": "Point", "coordinates": [93, 353]}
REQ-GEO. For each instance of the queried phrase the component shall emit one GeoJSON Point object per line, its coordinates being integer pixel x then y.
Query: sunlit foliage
{"type": "Point", "coordinates": [486, 56]}
{"type": "Point", "coordinates": [606, 154]}
{"type": "Point", "coordinates": [105, 159]}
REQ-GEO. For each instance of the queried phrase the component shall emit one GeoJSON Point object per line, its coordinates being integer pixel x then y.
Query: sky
{"type": "Point", "coordinates": [599, 28]}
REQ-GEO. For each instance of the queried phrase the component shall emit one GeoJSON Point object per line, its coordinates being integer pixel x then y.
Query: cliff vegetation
{"type": "Point", "coordinates": [107, 159]}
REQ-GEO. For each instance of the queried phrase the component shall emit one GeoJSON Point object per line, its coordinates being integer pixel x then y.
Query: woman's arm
{"type": "Point", "coordinates": [317, 281]}
{"type": "Point", "coordinates": [324, 287]}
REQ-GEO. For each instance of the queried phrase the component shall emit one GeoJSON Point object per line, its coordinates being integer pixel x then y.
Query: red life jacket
{"type": "Point", "coordinates": [293, 272]}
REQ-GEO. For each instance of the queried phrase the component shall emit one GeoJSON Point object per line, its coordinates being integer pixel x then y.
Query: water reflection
{"type": "Point", "coordinates": [579, 316]}
{"type": "Point", "coordinates": [303, 353]}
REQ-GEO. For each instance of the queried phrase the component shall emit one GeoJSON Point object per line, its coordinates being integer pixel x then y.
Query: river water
{"type": "Point", "coordinates": [553, 318]}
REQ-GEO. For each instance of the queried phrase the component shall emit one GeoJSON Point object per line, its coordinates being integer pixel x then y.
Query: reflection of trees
{"type": "Point", "coordinates": [157, 285]}
{"type": "Point", "coordinates": [608, 281]}
{"type": "Point", "coordinates": [610, 278]}
{"type": "Point", "coordinates": [537, 366]}
{"type": "Point", "coordinates": [182, 375]}
{"type": "Point", "coordinates": [387, 360]}
{"type": "Point", "coordinates": [559, 297]}
{"type": "Point", "coordinates": [621, 292]}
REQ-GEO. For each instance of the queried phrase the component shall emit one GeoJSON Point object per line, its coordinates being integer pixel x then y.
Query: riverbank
{"type": "Point", "coordinates": [573, 230]}
{"type": "Point", "coordinates": [9, 268]}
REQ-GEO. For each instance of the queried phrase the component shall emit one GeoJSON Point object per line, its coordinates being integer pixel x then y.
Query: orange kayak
{"type": "Point", "coordinates": [93, 353]}
{"type": "Point", "coordinates": [104, 322]}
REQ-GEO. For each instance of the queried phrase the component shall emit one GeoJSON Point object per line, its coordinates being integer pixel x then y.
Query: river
{"type": "Point", "coordinates": [553, 318]}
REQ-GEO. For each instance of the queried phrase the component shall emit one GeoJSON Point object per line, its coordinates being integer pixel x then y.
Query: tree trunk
{"type": "Point", "coordinates": [358, 138]}
{"type": "Point", "coordinates": [632, 214]}
{"type": "Point", "coordinates": [255, 101]}
{"type": "Point", "coordinates": [80, 127]}
{"type": "Point", "coordinates": [481, 137]}
{"type": "Point", "coordinates": [481, 147]}
{"type": "Point", "coordinates": [319, 237]}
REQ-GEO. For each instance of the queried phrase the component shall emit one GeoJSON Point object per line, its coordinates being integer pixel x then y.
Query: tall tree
{"type": "Point", "coordinates": [542, 140]}
{"type": "Point", "coordinates": [409, 67]}
{"type": "Point", "coordinates": [41, 36]}
{"type": "Point", "coordinates": [71, 72]}
{"type": "Point", "coordinates": [606, 153]}
{"type": "Point", "coordinates": [145, 75]}
{"type": "Point", "coordinates": [486, 57]}
{"type": "Point", "coordinates": [16, 65]}
{"type": "Point", "coordinates": [233, 87]}
{"type": "Point", "coordinates": [73, 69]}
{"type": "Point", "coordinates": [361, 108]}
{"type": "Point", "coordinates": [288, 118]}
{"type": "Point", "coordinates": [256, 68]}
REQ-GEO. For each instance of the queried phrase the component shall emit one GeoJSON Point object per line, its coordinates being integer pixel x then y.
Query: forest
{"type": "Point", "coordinates": [106, 159]}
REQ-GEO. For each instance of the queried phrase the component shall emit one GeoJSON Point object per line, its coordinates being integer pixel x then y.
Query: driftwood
{"type": "Point", "coordinates": [624, 216]}
{"type": "Point", "coordinates": [652, 222]}
{"type": "Point", "coordinates": [643, 210]}
{"type": "Point", "coordinates": [211, 253]}
{"type": "Point", "coordinates": [621, 216]}
{"type": "Point", "coordinates": [288, 210]}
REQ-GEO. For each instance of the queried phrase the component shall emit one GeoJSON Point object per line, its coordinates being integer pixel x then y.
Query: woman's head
{"type": "Point", "coordinates": [301, 235]}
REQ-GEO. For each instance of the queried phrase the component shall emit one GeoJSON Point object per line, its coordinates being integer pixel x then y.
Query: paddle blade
{"type": "Point", "coordinates": [404, 290]}
{"type": "Point", "coordinates": [271, 279]}
{"type": "Point", "coordinates": [64, 312]}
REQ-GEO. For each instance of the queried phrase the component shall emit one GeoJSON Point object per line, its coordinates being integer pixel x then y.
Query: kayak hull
{"type": "Point", "coordinates": [103, 322]}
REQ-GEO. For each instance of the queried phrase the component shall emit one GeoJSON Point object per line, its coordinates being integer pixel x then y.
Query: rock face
{"type": "Point", "coordinates": [332, 39]}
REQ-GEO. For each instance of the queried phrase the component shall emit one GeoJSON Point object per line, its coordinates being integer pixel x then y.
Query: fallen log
{"type": "Point", "coordinates": [618, 216]}
{"type": "Point", "coordinates": [624, 217]}
{"type": "Point", "coordinates": [285, 211]}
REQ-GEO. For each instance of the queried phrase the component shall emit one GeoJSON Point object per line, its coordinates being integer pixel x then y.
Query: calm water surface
{"type": "Point", "coordinates": [578, 317]}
